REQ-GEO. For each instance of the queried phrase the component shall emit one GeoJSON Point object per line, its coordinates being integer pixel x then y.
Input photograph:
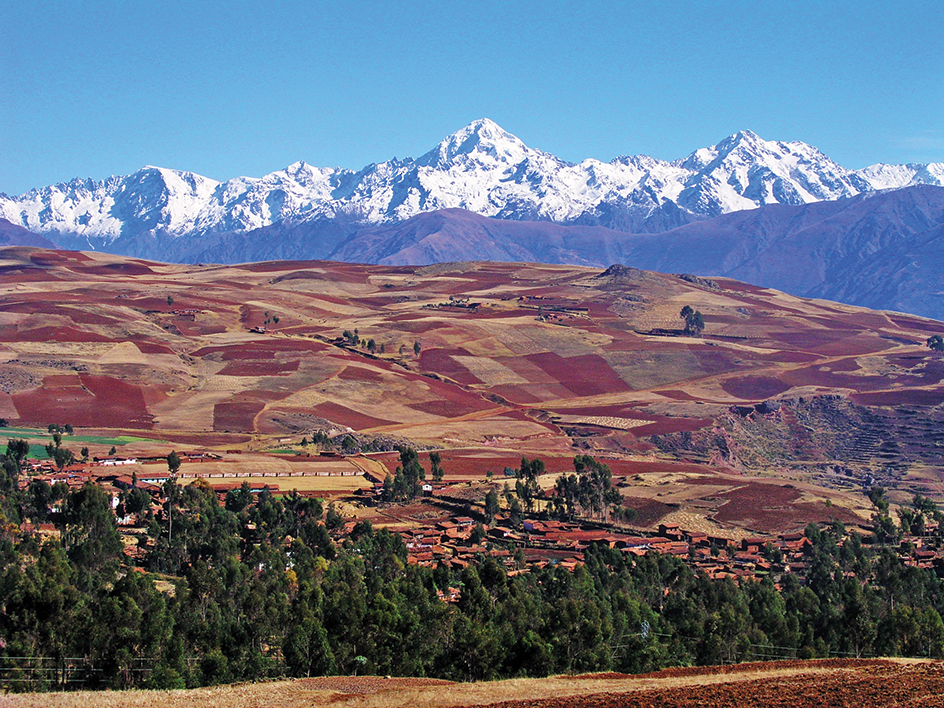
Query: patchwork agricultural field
{"type": "Point", "coordinates": [781, 412]}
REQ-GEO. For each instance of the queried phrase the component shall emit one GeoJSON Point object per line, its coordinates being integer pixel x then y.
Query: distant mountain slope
{"type": "Point", "coordinates": [882, 250]}
{"type": "Point", "coordinates": [480, 168]}
{"type": "Point", "coordinates": [459, 235]}
{"type": "Point", "coordinates": [13, 235]}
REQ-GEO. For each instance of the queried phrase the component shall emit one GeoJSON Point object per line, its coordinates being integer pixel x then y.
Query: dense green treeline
{"type": "Point", "coordinates": [259, 589]}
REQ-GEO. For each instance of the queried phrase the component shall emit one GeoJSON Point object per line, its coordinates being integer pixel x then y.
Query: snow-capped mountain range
{"type": "Point", "coordinates": [480, 168]}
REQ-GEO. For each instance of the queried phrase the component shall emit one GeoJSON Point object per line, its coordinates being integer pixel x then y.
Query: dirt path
{"type": "Point", "coordinates": [374, 469]}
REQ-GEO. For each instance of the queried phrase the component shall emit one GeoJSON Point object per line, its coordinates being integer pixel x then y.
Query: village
{"type": "Point", "coordinates": [444, 527]}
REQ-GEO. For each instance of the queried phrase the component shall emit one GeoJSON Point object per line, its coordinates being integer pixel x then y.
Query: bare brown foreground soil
{"type": "Point", "coordinates": [793, 684]}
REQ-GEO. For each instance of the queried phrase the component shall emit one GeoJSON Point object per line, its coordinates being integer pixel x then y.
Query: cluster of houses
{"type": "Point", "coordinates": [105, 470]}
{"type": "Point", "coordinates": [114, 474]}
{"type": "Point", "coordinates": [461, 540]}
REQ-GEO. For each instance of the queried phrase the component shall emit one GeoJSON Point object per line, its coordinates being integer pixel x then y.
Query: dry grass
{"type": "Point", "coordinates": [372, 692]}
{"type": "Point", "coordinates": [491, 373]}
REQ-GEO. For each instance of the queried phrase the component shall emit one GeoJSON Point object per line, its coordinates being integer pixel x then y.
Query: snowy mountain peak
{"type": "Point", "coordinates": [744, 145]}
{"type": "Point", "coordinates": [481, 168]}
{"type": "Point", "coordinates": [745, 137]}
{"type": "Point", "coordinates": [482, 141]}
{"type": "Point", "coordinates": [482, 132]}
{"type": "Point", "coordinates": [304, 174]}
{"type": "Point", "coordinates": [882, 176]}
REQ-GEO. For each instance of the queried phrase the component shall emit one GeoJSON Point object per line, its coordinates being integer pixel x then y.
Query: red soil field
{"type": "Point", "coordinates": [448, 391]}
{"type": "Point", "coordinates": [586, 375]}
{"type": "Point", "coordinates": [928, 370]}
{"type": "Point", "coordinates": [205, 439]}
{"type": "Point", "coordinates": [814, 376]}
{"type": "Point", "coordinates": [676, 395]}
{"type": "Point", "coordinates": [277, 266]}
{"type": "Point", "coordinates": [124, 268]}
{"type": "Point", "coordinates": [102, 301]}
{"type": "Point", "coordinates": [788, 357]}
{"type": "Point", "coordinates": [878, 684]}
{"type": "Point", "coordinates": [860, 345]}
{"type": "Point", "coordinates": [469, 464]}
{"type": "Point", "coordinates": [58, 334]}
{"type": "Point", "coordinates": [360, 373]}
{"type": "Point", "coordinates": [345, 416]}
{"type": "Point", "coordinates": [299, 275]}
{"type": "Point", "coordinates": [598, 310]}
{"type": "Point", "coordinates": [755, 502]}
{"type": "Point", "coordinates": [515, 394]}
{"type": "Point", "coordinates": [746, 667]}
{"type": "Point", "coordinates": [151, 348]}
{"type": "Point", "coordinates": [234, 284]}
{"type": "Point", "coordinates": [441, 361]}
{"type": "Point", "coordinates": [189, 328]}
{"type": "Point", "coordinates": [80, 316]}
{"type": "Point", "coordinates": [107, 403]}
{"type": "Point", "coordinates": [900, 398]}
{"type": "Point", "coordinates": [648, 511]}
{"type": "Point", "coordinates": [390, 459]}
{"type": "Point", "coordinates": [39, 405]}
{"type": "Point", "coordinates": [931, 360]}
{"type": "Point", "coordinates": [739, 287]}
{"type": "Point", "coordinates": [809, 340]}
{"type": "Point", "coordinates": [236, 415]}
{"type": "Point", "coordinates": [774, 509]}
{"type": "Point", "coordinates": [113, 393]}
{"type": "Point", "coordinates": [845, 365]}
{"type": "Point", "coordinates": [147, 302]}
{"type": "Point", "coordinates": [626, 468]}
{"type": "Point", "coordinates": [416, 324]}
{"type": "Point", "coordinates": [53, 258]}
{"type": "Point", "coordinates": [26, 274]}
{"type": "Point", "coordinates": [448, 408]}
{"type": "Point", "coordinates": [718, 362]}
{"type": "Point", "coordinates": [754, 387]}
{"type": "Point", "coordinates": [378, 301]}
{"type": "Point", "coordinates": [262, 349]}
{"type": "Point", "coordinates": [914, 323]}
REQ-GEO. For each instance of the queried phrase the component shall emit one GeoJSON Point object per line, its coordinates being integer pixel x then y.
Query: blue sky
{"type": "Point", "coordinates": [245, 88]}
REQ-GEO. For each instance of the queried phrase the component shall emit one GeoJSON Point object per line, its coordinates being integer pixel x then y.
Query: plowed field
{"type": "Point", "coordinates": [790, 684]}
{"type": "Point", "coordinates": [869, 686]}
